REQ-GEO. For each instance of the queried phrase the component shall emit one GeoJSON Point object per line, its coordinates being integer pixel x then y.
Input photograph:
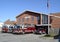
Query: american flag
{"type": "Point", "coordinates": [47, 3]}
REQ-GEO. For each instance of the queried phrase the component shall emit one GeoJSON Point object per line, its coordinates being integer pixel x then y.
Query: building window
{"type": "Point", "coordinates": [22, 19]}
{"type": "Point", "coordinates": [32, 18]}
{"type": "Point", "coordinates": [27, 19]}
{"type": "Point", "coordinates": [38, 19]}
{"type": "Point", "coordinates": [51, 20]}
{"type": "Point", "coordinates": [44, 19]}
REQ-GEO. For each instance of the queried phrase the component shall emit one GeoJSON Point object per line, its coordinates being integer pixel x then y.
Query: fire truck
{"type": "Point", "coordinates": [29, 29]}
{"type": "Point", "coordinates": [23, 29]}
{"type": "Point", "coordinates": [10, 29]}
{"type": "Point", "coordinates": [5, 29]}
{"type": "Point", "coordinates": [16, 29]}
{"type": "Point", "coordinates": [40, 30]}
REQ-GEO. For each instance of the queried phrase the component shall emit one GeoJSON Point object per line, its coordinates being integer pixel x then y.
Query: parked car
{"type": "Point", "coordinates": [5, 28]}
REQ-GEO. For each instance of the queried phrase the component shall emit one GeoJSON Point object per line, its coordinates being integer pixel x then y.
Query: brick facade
{"type": "Point", "coordinates": [28, 17]}
{"type": "Point", "coordinates": [22, 19]}
{"type": "Point", "coordinates": [55, 20]}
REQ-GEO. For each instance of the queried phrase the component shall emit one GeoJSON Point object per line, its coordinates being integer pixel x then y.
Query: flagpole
{"type": "Point", "coordinates": [48, 15]}
{"type": "Point", "coordinates": [48, 23]}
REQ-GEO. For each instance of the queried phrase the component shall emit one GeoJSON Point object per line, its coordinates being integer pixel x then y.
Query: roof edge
{"type": "Point", "coordinates": [27, 11]}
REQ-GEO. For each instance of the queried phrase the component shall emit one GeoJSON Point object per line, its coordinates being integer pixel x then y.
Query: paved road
{"type": "Point", "coordinates": [7, 37]}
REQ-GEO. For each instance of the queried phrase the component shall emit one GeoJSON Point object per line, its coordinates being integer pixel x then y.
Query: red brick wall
{"type": "Point", "coordinates": [30, 20]}
{"type": "Point", "coordinates": [55, 21]}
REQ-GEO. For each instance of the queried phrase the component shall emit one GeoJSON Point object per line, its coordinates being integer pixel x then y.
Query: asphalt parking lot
{"type": "Point", "coordinates": [8, 37]}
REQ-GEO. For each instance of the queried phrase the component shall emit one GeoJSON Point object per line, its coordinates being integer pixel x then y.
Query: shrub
{"type": "Point", "coordinates": [47, 35]}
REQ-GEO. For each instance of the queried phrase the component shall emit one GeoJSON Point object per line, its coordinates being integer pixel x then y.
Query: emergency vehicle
{"type": "Point", "coordinates": [5, 28]}
{"type": "Point", "coordinates": [16, 29]}
{"type": "Point", "coordinates": [29, 29]}
{"type": "Point", "coordinates": [23, 29]}
{"type": "Point", "coordinates": [39, 30]}
{"type": "Point", "coordinates": [10, 29]}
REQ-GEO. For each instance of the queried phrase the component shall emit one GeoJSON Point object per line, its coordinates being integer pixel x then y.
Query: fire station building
{"type": "Point", "coordinates": [29, 17]}
{"type": "Point", "coordinates": [39, 19]}
{"type": "Point", "coordinates": [33, 18]}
